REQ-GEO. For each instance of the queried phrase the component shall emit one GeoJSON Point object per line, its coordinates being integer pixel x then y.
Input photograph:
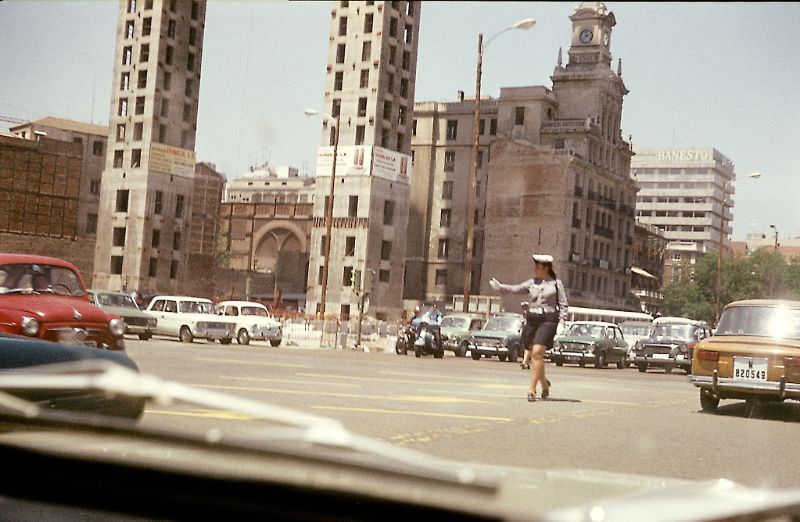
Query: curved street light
{"type": "Point", "coordinates": [328, 211]}
{"type": "Point", "coordinates": [527, 23]}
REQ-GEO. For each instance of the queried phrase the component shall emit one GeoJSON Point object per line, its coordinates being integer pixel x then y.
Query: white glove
{"type": "Point", "coordinates": [494, 284]}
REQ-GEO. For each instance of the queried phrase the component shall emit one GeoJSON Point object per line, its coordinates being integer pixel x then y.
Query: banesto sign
{"type": "Point", "coordinates": [682, 154]}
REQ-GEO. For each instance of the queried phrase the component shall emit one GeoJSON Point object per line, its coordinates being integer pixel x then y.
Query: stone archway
{"type": "Point", "coordinates": [282, 248]}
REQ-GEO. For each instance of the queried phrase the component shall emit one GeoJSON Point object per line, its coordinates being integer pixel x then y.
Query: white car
{"type": "Point", "coordinates": [253, 321]}
{"type": "Point", "coordinates": [189, 318]}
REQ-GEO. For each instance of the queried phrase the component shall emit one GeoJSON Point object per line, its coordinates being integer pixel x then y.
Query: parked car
{"type": "Point", "coordinates": [137, 322]}
{"type": "Point", "coordinates": [595, 342]}
{"type": "Point", "coordinates": [635, 331]}
{"type": "Point", "coordinates": [670, 345]}
{"type": "Point", "coordinates": [189, 318]}
{"type": "Point", "coordinates": [754, 354]}
{"type": "Point", "coordinates": [456, 328]}
{"type": "Point", "coordinates": [500, 337]}
{"type": "Point", "coordinates": [45, 297]}
{"type": "Point", "coordinates": [253, 321]}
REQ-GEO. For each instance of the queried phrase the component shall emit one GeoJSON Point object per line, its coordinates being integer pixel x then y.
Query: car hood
{"type": "Point", "coordinates": [251, 319]}
{"type": "Point", "coordinates": [493, 334]}
{"type": "Point", "coordinates": [579, 340]}
{"type": "Point", "coordinates": [123, 311]}
{"type": "Point", "coordinates": [663, 340]}
{"type": "Point", "coordinates": [54, 308]}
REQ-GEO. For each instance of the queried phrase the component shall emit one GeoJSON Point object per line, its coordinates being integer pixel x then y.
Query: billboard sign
{"type": "Point", "coordinates": [172, 160]}
{"type": "Point", "coordinates": [365, 161]}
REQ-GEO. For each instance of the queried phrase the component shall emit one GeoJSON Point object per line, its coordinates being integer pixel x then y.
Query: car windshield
{"type": "Point", "coordinates": [195, 307]}
{"type": "Point", "coordinates": [455, 322]}
{"type": "Point", "coordinates": [635, 330]}
{"type": "Point", "coordinates": [254, 310]}
{"type": "Point", "coordinates": [586, 330]}
{"type": "Point", "coordinates": [682, 332]}
{"type": "Point", "coordinates": [39, 279]}
{"type": "Point", "coordinates": [120, 300]}
{"type": "Point", "coordinates": [506, 324]}
{"type": "Point", "coordinates": [761, 321]}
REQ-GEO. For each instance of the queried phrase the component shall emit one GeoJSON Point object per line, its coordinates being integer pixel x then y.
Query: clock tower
{"type": "Point", "coordinates": [591, 34]}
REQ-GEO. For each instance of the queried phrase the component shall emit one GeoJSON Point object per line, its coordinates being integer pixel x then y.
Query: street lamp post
{"type": "Point", "coordinates": [473, 174]}
{"type": "Point", "coordinates": [328, 214]}
{"type": "Point", "coordinates": [775, 247]}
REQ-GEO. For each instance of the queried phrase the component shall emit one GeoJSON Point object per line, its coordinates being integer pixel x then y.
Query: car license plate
{"type": "Point", "coordinates": [573, 355]}
{"type": "Point", "coordinates": [660, 356]}
{"type": "Point", "coordinates": [750, 369]}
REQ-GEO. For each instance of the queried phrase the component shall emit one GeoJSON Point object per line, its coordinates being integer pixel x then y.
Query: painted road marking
{"type": "Point", "coordinates": [431, 375]}
{"type": "Point", "coordinates": [290, 381]}
{"type": "Point", "coordinates": [251, 363]}
{"type": "Point", "coordinates": [209, 414]}
{"type": "Point", "coordinates": [409, 381]}
{"type": "Point", "coordinates": [408, 412]}
{"type": "Point", "coordinates": [401, 398]}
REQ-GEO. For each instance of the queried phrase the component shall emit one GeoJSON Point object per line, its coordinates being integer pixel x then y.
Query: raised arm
{"type": "Point", "coordinates": [563, 305]}
{"type": "Point", "coordinates": [509, 289]}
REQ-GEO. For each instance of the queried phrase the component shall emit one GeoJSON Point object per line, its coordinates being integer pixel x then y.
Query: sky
{"type": "Point", "coordinates": [722, 75]}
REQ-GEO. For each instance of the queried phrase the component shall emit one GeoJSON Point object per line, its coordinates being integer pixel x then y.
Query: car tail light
{"type": "Point", "coordinates": [791, 361]}
{"type": "Point", "coordinates": [708, 355]}
{"type": "Point", "coordinates": [691, 345]}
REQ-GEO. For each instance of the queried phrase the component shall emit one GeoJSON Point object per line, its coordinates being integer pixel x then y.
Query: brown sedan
{"type": "Point", "coordinates": [754, 354]}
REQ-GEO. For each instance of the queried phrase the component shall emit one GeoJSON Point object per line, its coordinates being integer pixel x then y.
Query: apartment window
{"type": "Point", "coordinates": [152, 268]}
{"type": "Point", "coordinates": [352, 206]}
{"type": "Point", "coordinates": [172, 5]}
{"type": "Point", "coordinates": [121, 132]}
{"type": "Point", "coordinates": [388, 212]}
{"type": "Point", "coordinates": [162, 133]}
{"type": "Point", "coordinates": [343, 26]}
{"type": "Point", "coordinates": [136, 158]}
{"type": "Point", "coordinates": [412, 157]}
{"type": "Point", "coordinates": [444, 217]}
{"type": "Point", "coordinates": [322, 244]}
{"type": "Point", "coordinates": [195, 10]}
{"type": "Point", "coordinates": [155, 241]}
{"type": "Point", "coordinates": [384, 276]}
{"type": "Point", "coordinates": [173, 269]}
{"type": "Point", "coordinates": [386, 250]}
{"type": "Point", "coordinates": [337, 81]}
{"type": "Point", "coordinates": [480, 160]}
{"type": "Point", "coordinates": [192, 36]}
{"type": "Point", "coordinates": [387, 110]}
{"type": "Point", "coordinates": [406, 60]}
{"type": "Point", "coordinates": [139, 109]}
{"type": "Point", "coordinates": [366, 50]}
{"type": "Point", "coordinates": [401, 115]}
{"type": "Point", "coordinates": [147, 23]}
{"type": "Point", "coordinates": [94, 186]}
{"type": "Point", "coordinates": [559, 143]}
{"type": "Point", "coordinates": [444, 246]}
{"type": "Point", "coordinates": [441, 277]}
{"type": "Point", "coordinates": [122, 200]}
{"type": "Point", "coordinates": [142, 81]}
{"type": "Point", "coordinates": [118, 159]}
{"type": "Point", "coordinates": [452, 129]}
{"type": "Point", "coordinates": [447, 190]}
{"type": "Point", "coordinates": [129, 28]}
{"type": "Point", "coordinates": [118, 237]}
{"type": "Point", "coordinates": [171, 29]}
{"type": "Point", "coordinates": [127, 55]}
{"type": "Point", "coordinates": [97, 148]}
{"type": "Point", "coordinates": [340, 53]}
{"type": "Point", "coordinates": [148, 4]}
{"type": "Point", "coordinates": [368, 23]}
{"type": "Point", "coordinates": [190, 62]}
{"type": "Point", "coordinates": [409, 34]}
{"type": "Point", "coordinates": [176, 241]}
{"type": "Point", "coordinates": [164, 107]}
{"type": "Point", "coordinates": [167, 81]}
{"type": "Point", "coordinates": [124, 81]}
{"type": "Point", "coordinates": [519, 116]}
{"type": "Point", "coordinates": [345, 4]}
{"type": "Point", "coordinates": [158, 206]}
{"type": "Point", "coordinates": [392, 53]}
{"type": "Point", "coordinates": [362, 107]}
{"type": "Point", "coordinates": [364, 83]}
{"type": "Point", "coordinates": [414, 127]}
{"type": "Point", "coordinates": [319, 275]}
{"type": "Point", "coordinates": [188, 88]}
{"type": "Point", "coordinates": [404, 88]}
{"type": "Point", "coordinates": [347, 276]}
{"type": "Point", "coordinates": [116, 265]}
{"type": "Point", "coordinates": [187, 112]}
{"type": "Point", "coordinates": [131, 6]}
{"type": "Point", "coordinates": [360, 134]}
{"type": "Point", "coordinates": [449, 160]}
{"type": "Point", "coordinates": [385, 138]}
{"type": "Point", "coordinates": [482, 127]}
{"type": "Point", "coordinates": [350, 246]}
{"type": "Point", "coordinates": [144, 53]}
{"type": "Point", "coordinates": [401, 141]}
{"type": "Point", "coordinates": [179, 202]}
{"type": "Point", "coordinates": [91, 223]}
{"type": "Point", "coordinates": [390, 83]}
{"type": "Point", "coordinates": [123, 107]}
{"type": "Point", "coordinates": [344, 312]}
{"type": "Point", "coordinates": [393, 28]}
{"type": "Point", "coordinates": [493, 127]}
{"type": "Point", "coordinates": [409, 8]}
{"type": "Point", "coordinates": [170, 53]}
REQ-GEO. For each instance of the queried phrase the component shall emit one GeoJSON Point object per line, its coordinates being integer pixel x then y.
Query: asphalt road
{"type": "Point", "coordinates": [476, 411]}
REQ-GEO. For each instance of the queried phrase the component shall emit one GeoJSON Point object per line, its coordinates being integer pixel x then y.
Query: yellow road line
{"type": "Point", "coordinates": [417, 413]}
{"type": "Point", "coordinates": [290, 381]}
{"type": "Point", "coordinates": [227, 415]}
{"type": "Point", "coordinates": [619, 403]}
{"type": "Point", "coordinates": [401, 398]}
{"type": "Point", "coordinates": [431, 375]}
{"type": "Point", "coordinates": [476, 393]}
{"type": "Point", "coordinates": [251, 363]}
{"type": "Point", "coordinates": [405, 381]}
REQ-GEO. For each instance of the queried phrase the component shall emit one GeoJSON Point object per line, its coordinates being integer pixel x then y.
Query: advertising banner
{"type": "Point", "coordinates": [365, 161]}
{"type": "Point", "coordinates": [172, 160]}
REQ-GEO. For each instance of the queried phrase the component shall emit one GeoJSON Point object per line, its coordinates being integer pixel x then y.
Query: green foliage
{"type": "Point", "coordinates": [762, 275]}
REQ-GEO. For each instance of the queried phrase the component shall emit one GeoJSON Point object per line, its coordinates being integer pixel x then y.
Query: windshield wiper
{"type": "Point", "coordinates": [116, 380]}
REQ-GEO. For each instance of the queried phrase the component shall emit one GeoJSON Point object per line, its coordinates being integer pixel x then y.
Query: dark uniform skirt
{"type": "Point", "coordinates": [539, 329]}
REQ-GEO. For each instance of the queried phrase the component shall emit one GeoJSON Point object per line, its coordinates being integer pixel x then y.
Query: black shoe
{"type": "Point", "coordinates": [531, 397]}
{"type": "Point", "coordinates": [525, 366]}
{"type": "Point", "coordinates": [546, 393]}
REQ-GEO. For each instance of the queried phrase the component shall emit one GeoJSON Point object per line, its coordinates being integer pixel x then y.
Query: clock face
{"type": "Point", "coordinates": [586, 36]}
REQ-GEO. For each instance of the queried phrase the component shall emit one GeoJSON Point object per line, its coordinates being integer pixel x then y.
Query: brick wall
{"type": "Point", "coordinates": [79, 251]}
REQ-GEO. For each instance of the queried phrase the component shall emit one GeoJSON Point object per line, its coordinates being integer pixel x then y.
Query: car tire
{"type": "Point", "coordinates": [418, 351]}
{"type": "Point", "coordinates": [559, 361]}
{"type": "Point", "coordinates": [186, 335]}
{"type": "Point", "coordinates": [145, 337]}
{"type": "Point", "coordinates": [461, 351]}
{"type": "Point", "coordinates": [622, 363]}
{"type": "Point", "coordinates": [708, 402]}
{"type": "Point", "coordinates": [582, 363]}
{"type": "Point", "coordinates": [476, 355]}
{"type": "Point", "coordinates": [642, 367]}
{"type": "Point", "coordinates": [502, 357]}
{"type": "Point", "coordinates": [225, 341]}
{"type": "Point", "coordinates": [243, 337]}
{"type": "Point", "coordinates": [667, 369]}
{"type": "Point", "coordinates": [275, 342]}
{"type": "Point", "coordinates": [600, 360]}
{"type": "Point", "coordinates": [512, 355]}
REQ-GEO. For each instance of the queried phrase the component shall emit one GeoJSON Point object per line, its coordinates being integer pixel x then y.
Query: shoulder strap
{"type": "Point", "coordinates": [558, 298]}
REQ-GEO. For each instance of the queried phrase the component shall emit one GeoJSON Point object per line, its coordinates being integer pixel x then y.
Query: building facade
{"type": "Point", "coordinates": [92, 140]}
{"type": "Point", "coordinates": [146, 191]}
{"type": "Point", "coordinates": [647, 267]}
{"type": "Point", "coordinates": [271, 184]}
{"type": "Point", "coordinates": [209, 186]}
{"type": "Point", "coordinates": [369, 87]}
{"type": "Point", "coordinates": [687, 194]}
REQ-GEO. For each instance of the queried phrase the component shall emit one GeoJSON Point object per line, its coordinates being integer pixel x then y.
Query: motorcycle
{"type": "Point", "coordinates": [405, 339]}
{"type": "Point", "coordinates": [428, 341]}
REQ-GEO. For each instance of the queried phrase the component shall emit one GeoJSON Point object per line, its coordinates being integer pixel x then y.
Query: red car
{"type": "Point", "coordinates": [44, 297]}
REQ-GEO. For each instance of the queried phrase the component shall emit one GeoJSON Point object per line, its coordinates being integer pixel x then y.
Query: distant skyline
{"type": "Point", "coordinates": [719, 75]}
